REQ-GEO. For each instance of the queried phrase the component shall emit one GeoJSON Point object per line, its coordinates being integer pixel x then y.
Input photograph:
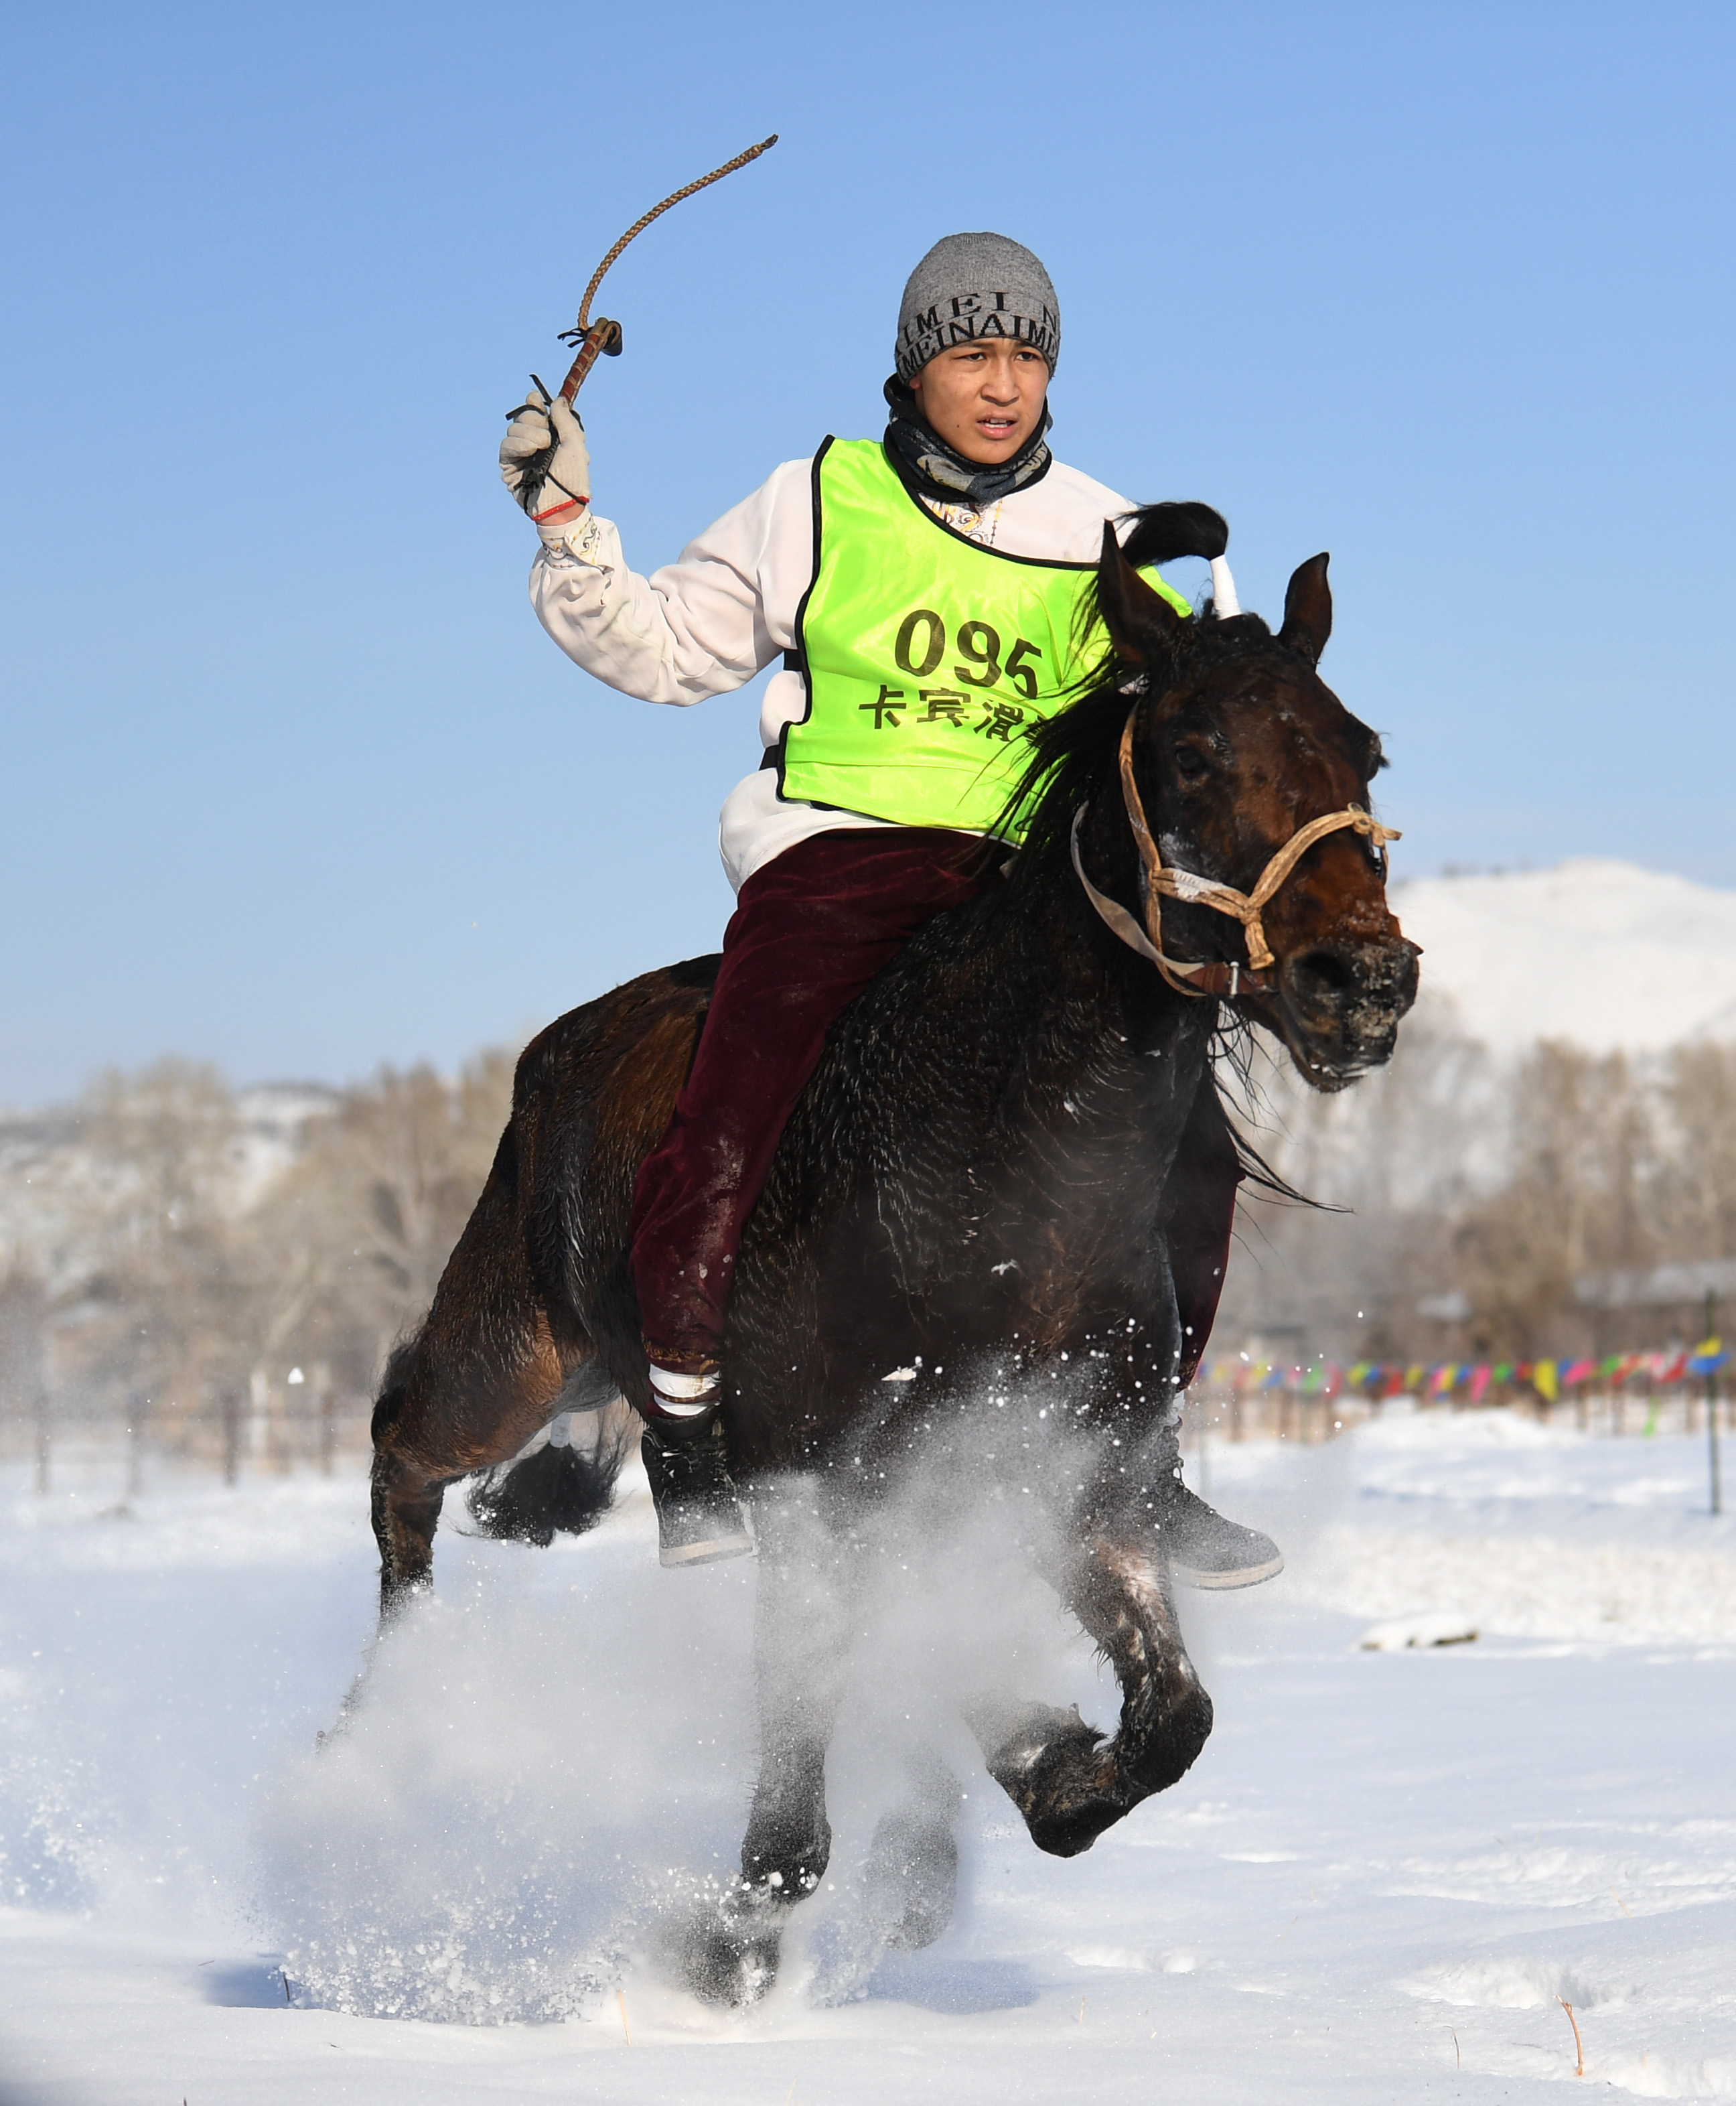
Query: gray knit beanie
{"type": "Point", "coordinates": [970, 286]}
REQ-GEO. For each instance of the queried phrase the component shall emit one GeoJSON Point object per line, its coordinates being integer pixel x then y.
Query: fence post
{"type": "Point", "coordinates": [47, 1374]}
{"type": "Point", "coordinates": [137, 1407]}
{"type": "Point", "coordinates": [229, 1402]}
{"type": "Point", "coordinates": [1712, 1457]}
{"type": "Point", "coordinates": [259, 1413]}
{"type": "Point", "coordinates": [44, 1438]}
{"type": "Point", "coordinates": [325, 1403]}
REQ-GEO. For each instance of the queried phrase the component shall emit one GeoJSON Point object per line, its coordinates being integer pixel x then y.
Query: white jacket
{"type": "Point", "coordinates": [710, 621]}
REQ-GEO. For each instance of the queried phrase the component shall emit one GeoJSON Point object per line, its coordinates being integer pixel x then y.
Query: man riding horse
{"type": "Point", "coordinates": [925, 591]}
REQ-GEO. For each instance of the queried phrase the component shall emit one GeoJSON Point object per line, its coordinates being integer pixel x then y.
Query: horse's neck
{"type": "Point", "coordinates": [1093, 1022]}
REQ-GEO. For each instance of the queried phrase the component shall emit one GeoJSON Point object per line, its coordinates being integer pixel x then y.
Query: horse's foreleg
{"type": "Point", "coordinates": [801, 1640]}
{"type": "Point", "coordinates": [801, 1643]}
{"type": "Point", "coordinates": [1124, 1598]}
{"type": "Point", "coordinates": [913, 1862]}
{"type": "Point", "coordinates": [1068, 1780]}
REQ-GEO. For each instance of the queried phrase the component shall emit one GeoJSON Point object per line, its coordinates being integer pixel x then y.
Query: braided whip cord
{"type": "Point", "coordinates": [639, 226]}
{"type": "Point", "coordinates": [596, 337]}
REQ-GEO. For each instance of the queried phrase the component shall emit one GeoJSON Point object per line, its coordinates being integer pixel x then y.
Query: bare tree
{"type": "Point", "coordinates": [159, 1301]}
{"type": "Point", "coordinates": [146, 1263]}
{"type": "Point", "coordinates": [1694, 1201]}
{"type": "Point", "coordinates": [348, 1249]}
{"type": "Point", "coordinates": [1391, 1164]}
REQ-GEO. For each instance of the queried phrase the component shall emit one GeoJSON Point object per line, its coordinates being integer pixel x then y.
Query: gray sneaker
{"type": "Point", "coordinates": [1205, 1550]}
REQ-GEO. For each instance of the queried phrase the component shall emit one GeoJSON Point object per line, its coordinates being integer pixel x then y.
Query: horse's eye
{"type": "Point", "coordinates": [1190, 763]}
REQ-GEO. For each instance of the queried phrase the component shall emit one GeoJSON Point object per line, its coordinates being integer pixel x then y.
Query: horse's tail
{"type": "Point", "coordinates": [560, 1489]}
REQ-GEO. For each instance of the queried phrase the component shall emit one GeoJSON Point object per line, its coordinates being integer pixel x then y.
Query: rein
{"type": "Point", "coordinates": [1159, 881]}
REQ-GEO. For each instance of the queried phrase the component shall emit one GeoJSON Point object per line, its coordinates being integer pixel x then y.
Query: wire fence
{"type": "Point", "coordinates": [292, 1425]}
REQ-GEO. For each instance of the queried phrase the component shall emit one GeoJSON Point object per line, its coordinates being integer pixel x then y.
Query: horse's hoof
{"type": "Point", "coordinates": [1062, 1778]}
{"type": "Point", "coordinates": [721, 1967]}
{"type": "Point", "coordinates": [729, 1954]}
{"type": "Point", "coordinates": [1070, 1819]}
{"type": "Point", "coordinates": [1157, 1754]}
{"type": "Point", "coordinates": [913, 1878]}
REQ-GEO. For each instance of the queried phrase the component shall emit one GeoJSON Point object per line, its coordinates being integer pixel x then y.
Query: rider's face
{"type": "Point", "coordinates": [984, 399]}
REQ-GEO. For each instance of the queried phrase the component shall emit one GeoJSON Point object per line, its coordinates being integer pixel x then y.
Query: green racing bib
{"type": "Point", "coordinates": [926, 656]}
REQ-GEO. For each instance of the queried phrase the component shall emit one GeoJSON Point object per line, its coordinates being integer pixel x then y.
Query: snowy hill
{"type": "Point", "coordinates": [1598, 952]}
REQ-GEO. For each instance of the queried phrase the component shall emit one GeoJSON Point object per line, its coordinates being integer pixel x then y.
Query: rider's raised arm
{"type": "Point", "coordinates": [699, 626]}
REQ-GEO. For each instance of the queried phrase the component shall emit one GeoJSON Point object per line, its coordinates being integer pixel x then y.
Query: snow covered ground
{"type": "Point", "coordinates": [1381, 1875]}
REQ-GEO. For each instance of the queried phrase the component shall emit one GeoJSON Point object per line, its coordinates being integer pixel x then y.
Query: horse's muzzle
{"type": "Point", "coordinates": [1341, 1004]}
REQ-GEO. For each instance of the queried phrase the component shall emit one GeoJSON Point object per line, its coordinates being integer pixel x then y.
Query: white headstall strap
{"type": "Point", "coordinates": [1159, 881]}
{"type": "Point", "coordinates": [1177, 971]}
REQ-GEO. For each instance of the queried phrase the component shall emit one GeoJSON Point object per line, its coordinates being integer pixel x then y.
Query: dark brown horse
{"type": "Point", "coordinates": [974, 1195]}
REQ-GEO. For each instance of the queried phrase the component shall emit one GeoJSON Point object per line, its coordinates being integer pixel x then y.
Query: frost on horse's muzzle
{"type": "Point", "coordinates": [1341, 1004]}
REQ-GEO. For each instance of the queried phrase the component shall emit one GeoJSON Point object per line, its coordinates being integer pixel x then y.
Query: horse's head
{"type": "Point", "coordinates": [1233, 746]}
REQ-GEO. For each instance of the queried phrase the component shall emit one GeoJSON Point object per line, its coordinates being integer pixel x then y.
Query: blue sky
{"type": "Point", "coordinates": [293, 781]}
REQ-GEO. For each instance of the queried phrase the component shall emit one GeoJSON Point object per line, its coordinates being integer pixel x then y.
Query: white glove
{"type": "Point", "coordinates": [546, 465]}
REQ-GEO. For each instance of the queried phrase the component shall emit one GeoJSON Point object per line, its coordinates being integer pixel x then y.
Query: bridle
{"type": "Point", "coordinates": [1159, 881]}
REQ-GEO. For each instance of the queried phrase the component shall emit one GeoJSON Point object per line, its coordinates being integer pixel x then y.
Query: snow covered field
{"type": "Point", "coordinates": [1382, 1873]}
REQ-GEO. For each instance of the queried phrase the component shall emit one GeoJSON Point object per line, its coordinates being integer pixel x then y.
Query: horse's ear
{"type": "Point", "coordinates": [1133, 615]}
{"type": "Point", "coordinates": [1308, 609]}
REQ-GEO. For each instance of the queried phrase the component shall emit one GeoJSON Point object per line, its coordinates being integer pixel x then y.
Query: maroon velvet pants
{"type": "Point", "coordinates": [810, 930]}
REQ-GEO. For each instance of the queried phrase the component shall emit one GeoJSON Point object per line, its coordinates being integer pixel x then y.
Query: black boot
{"type": "Point", "coordinates": [1205, 1550]}
{"type": "Point", "coordinates": [699, 1518]}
